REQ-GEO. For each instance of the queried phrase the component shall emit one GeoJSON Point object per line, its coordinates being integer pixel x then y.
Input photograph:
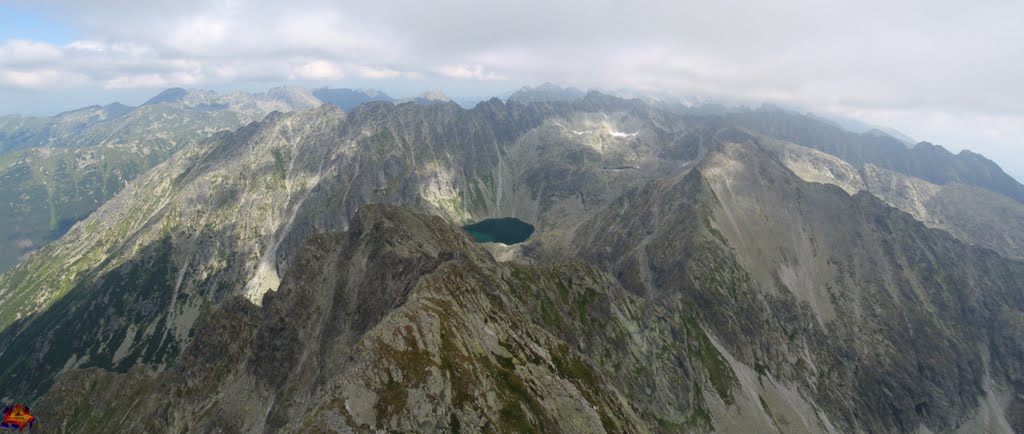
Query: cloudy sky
{"type": "Point", "coordinates": [938, 70]}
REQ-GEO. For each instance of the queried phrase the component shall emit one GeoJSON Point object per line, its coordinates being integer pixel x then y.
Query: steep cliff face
{"type": "Point", "coordinates": [403, 324]}
{"type": "Point", "coordinates": [882, 323]}
{"type": "Point", "coordinates": [184, 225]}
{"type": "Point", "coordinates": [972, 214]}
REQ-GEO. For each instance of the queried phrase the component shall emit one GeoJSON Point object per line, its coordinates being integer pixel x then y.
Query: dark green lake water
{"type": "Point", "coordinates": [505, 230]}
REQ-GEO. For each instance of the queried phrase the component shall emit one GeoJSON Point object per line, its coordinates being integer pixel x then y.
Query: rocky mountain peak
{"type": "Point", "coordinates": [547, 92]}
{"type": "Point", "coordinates": [174, 94]}
{"type": "Point", "coordinates": [349, 99]}
{"type": "Point", "coordinates": [435, 95]}
{"type": "Point", "coordinates": [296, 97]}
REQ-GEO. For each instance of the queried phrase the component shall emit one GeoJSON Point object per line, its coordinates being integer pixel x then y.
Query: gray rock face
{"type": "Point", "coordinates": [545, 93]}
{"type": "Point", "coordinates": [924, 160]}
{"type": "Point", "coordinates": [55, 171]}
{"type": "Point", "coordinates": [402, 324]}
{"type": "Point", "coordinates": [972, 214]}
{"type": "Point", "coordinates": [685, 276]}
{"type": "Point", "coordinates": [883, 324]}
{"type": "Point", "coordinates": [235, 209]}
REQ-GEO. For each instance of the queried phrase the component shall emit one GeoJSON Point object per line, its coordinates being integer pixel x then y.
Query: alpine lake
{"type": "Point", "coordinates": [505, 230]}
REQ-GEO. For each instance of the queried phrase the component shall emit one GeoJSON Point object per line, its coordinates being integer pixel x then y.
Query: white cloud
{"type": "Point", "coordinates": [87, 46]}
{"type": "Point", "coordinates": [21, 52]}
{"type": "Point", "coordinates": [912, 57]}
{"type": "Point", "coordinates": [225, 72]}
{"type": "Point", "coordinates": [317, 70]}
{"type": "Point", "coordinates": [151, 80]}
{"type": "Point", "coordinates": [29, 79]}
{"type": "Point", "coordinates": [322, 30]}
{"type": "Point", "coordinates": [135, 81]}
{"type": "Point", "coordinates": [197, 34]}
{"type": "Point", "coordinates": [475, 72]}
{"type": "Point", "coordinates": [40, 79]}
{"type": "Point", "coordinates": [374, 73]}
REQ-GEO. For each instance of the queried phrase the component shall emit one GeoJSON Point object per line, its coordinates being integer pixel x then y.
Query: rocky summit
{"type": "Point", "coordinates": [688, 270]}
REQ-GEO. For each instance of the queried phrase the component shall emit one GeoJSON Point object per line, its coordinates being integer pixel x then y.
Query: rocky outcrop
{"type": "Point", "coordinates": [974, 215]}
{"type": "Point", "coordinates": [545, 93]}
{"type": "Point", "coordinates": [882, 324]}
{"type": "Point", "coordinates": [924, 160]}
{"type": "Point", "coordinates": [402, 324]}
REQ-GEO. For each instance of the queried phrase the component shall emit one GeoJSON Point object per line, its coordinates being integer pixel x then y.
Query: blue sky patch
{"type": "Point", "coordinates": [17, 22]}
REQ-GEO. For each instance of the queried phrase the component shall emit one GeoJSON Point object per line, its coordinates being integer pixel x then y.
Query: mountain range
{"type": "Point", "coordinates": [55, 171]}
{"type": "Point", "coordinates": [691, 270]}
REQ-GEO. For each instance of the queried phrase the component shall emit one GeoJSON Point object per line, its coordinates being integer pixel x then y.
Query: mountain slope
{"type": "Point", "coordinates": [403, 324]}
{"type": "Point", "coordinates": [884, 324]}
{"type": "Point", "coordinates": [283, 98]}
{"type": "Point", "coordinates": [235, 209]}
{"type": "Point", "coordinates": [971, 214]}
{"type": "Point", "coordinates": [19, 132]}
{"type": "Point", "coordinates": [46, 190]}
{"type": "Point", "coordinates": [741, 297]}
{"type": "Point", "coordinates": [348, 99]}
{"type": "Point", "coordinates": [444, 338]}
{"type": "Point", "coordinates": [924, 161]}
{"type": "Point", "coordinates": [55, 176]}
{"type": "Point", "coordinates": [546, 92]}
